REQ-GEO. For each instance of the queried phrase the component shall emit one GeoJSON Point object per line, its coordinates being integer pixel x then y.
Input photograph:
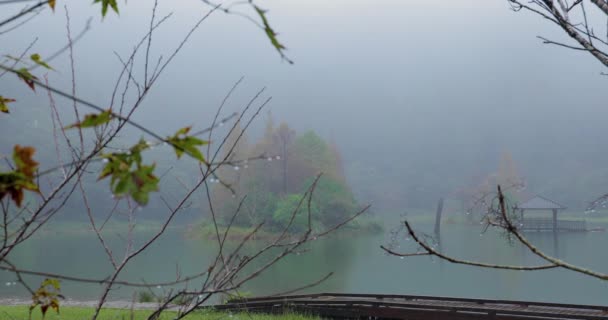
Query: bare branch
{"type": "Point", "coordinates": [429, 250]}
{"type": "Point", "coordinates": [39, 5]}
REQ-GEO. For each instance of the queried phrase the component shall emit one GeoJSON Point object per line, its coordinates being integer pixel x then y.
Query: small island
{"type": "Point", "coordinates": [273, 185]}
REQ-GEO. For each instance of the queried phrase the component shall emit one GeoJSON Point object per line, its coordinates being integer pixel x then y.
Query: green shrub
{"type": "Point", "coordinates": [146, 296]}
{"type": "Point", "coordinates": [285, 209]}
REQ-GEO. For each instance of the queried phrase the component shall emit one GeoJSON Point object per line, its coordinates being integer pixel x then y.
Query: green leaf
{"type": "Point", "coordinates": [271, 34]}
{"type": "Point", "coordinates": [3, 104]}
{"type": "Point", "coordinates": [105, 4]}
{"type": "Point", "coordinates": [124, 186]}
{"type": "Point", "coordinates": [128, 175]}
{"type": "Point", "coordinates": [145, 182]}
{"type": "Point", "coordinates": [187, 144]}
{"type": "Point", "coordinates": [93, 120]}
{"type": "Point", "coordinates": [36, 58]}
{"type": "Point", "coordinates": [137, 149]}
{"type": "Point", "coordinates": [183, 131]}
{"type": "Point", "coordinates": [27, 77]}
{"type": "Point", "coordinates": [140, 146]}
{"type": "Point", "coordinates": [51, 282]}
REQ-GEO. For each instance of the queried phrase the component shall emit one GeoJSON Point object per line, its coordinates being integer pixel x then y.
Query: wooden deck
{"type": "Point", "coordinates": [540, 224]}
{"type": "Point", "coordinates": [373, 306]}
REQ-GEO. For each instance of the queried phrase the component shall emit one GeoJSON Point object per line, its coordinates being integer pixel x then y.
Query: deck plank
{"type": "Point", "coordinates": [334, 305]}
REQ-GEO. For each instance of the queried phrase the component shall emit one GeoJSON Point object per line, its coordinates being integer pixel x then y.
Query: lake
{"type": "Point", "coordinates": [359, 264]}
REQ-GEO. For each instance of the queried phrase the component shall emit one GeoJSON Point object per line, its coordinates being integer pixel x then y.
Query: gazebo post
{"type": "Point", "coordinates": [521, 215]}
{"type": "Point", "coordinates": [554, 220]}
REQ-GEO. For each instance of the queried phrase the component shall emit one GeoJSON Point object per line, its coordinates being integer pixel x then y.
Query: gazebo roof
{"type": "Point", "coordinates": [540, 203]}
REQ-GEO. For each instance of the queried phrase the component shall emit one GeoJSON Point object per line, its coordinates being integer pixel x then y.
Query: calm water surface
{"type": "Point", "coordinates": [358, 262]}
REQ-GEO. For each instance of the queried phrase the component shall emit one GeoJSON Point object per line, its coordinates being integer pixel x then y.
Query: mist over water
{"type": "Point", "coordinates": [359, 266]}
{"type": "Point", "coordinates": [422, 98]}
{"type": "Point", "coordinates": [424, 94]}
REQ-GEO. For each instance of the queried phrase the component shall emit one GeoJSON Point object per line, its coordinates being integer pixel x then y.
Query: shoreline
{"type": "Point", "coordinates": [117, 304]}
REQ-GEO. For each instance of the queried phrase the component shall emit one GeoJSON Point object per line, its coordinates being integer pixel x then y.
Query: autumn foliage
{"type": "Point", "coordinates": [22, 177]}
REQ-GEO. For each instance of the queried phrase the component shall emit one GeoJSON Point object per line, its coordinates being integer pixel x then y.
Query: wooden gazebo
{"type": "Point", "coordinates": [539, 203]}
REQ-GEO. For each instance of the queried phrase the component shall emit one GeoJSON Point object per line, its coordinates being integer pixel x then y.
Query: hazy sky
{"type": "Point", "coordinates": [425, 85]}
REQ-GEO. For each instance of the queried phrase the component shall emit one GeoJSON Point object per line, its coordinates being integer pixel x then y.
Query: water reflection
{"type": "Point", "coordinates": [358, 262]}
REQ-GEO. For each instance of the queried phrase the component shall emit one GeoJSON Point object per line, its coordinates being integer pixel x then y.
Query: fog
{"type": "Point", "coordinates": [403, 103]}
{"type": "Point", "coordinates": [422, 97]}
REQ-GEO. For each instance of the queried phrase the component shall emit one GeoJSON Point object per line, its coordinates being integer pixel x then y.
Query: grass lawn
{"type": "Point", "coordinates": [76, 313]}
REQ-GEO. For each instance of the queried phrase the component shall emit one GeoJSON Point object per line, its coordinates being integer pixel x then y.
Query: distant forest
{"type": "Point", "coordinates": [409, 176]}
